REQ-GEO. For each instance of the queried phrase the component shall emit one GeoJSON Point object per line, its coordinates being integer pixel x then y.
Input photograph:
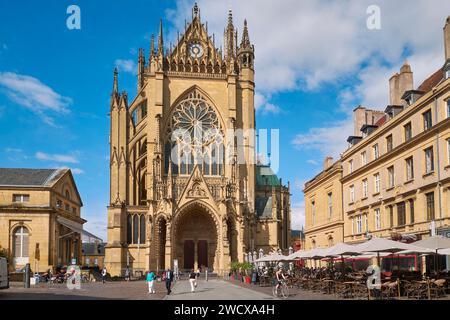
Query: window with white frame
{"type": "Point", "coordinates": [376, 152]}
{"type": "Point", "coordinates": [364, 158]}
{"type": "Point", "coordinates": [21, 198]}
{"type": "Point", "coordinates": [359, 224]}
{"type": "Point", "coordinates": [448, 151]}
{"type": "Point", "coordinates": [429, 160]}
{"type": "Point", "coordinates": [427, 120]}
{"type": "Point", "coordinates": [365, 188]}
{"type": "Point", "coordinates": [350, 166]}
{"type": "Point", "coordinates": [391, 177]}
{"type": "Point", "coordinates": [366, 222]}
{"type": "Point", "coordinates": [377, 182]}
{"type": "Point", "coordinates": [448, 108]}
{"type": "Point", "coordinates": [409, 169]}
{"type": "Point", "coordinates": [408, 131]}
{"type": "Point", "coordinates": [352, 194]}
{"type": "Point", "coordinates": [377, 219]}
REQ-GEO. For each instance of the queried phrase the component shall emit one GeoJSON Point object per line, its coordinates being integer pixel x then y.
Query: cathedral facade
{"type": "Point", "coordinates": [185, 188]}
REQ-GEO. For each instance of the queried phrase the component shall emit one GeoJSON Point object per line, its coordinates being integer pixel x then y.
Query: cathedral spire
{"type": "Point", "coordinates": [195, 11]}
{"type": "Point", "coordinates": [152, 47]}
{"type": "Point", "coordinates": [230, 37]}
{"type": "Point", "coordinates": [116, 82]}
{"type": "Point", "coordinates": [160, 39]}
{"type": "Point", "coordinates": [245, 43]}
{"type": "Point", "coordinates": [141, 69]}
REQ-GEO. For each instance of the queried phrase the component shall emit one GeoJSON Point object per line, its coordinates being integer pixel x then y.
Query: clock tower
{"type": "Point", "coordinates": [185, 186]}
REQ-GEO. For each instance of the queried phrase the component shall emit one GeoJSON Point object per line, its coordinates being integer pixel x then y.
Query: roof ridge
{"type": "Point", "coordinates": [50, 177]}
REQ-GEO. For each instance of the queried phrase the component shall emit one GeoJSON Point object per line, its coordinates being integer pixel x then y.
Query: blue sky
{"type": "Point", "coordinates": [315, 61]}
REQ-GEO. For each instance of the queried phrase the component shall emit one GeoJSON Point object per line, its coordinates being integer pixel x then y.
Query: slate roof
{"type": "Point", "coordinates": [93, 249]}
{"type": "Point", "coordinates": [28, 177]}
{"type": "Point", "coordinates": [263, 206]}
{"type": "Point", "coordinates": [266, 177]}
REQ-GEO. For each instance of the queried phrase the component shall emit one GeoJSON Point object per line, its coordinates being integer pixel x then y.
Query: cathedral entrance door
{"type": "Point", "coordinates": [189, 254]}
{"type": "Point", "coordinates": [202, 249]}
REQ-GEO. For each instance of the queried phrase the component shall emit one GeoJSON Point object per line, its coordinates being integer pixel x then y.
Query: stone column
{"type": "Point", "coordinates": [196, 254]}
{"type": "Point", "coordinates": [168, 262]}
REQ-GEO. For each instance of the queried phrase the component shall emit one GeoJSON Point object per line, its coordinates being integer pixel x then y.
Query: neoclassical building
{"type": "Point", "coordinates": [184, 184]}
{"type": "Point", "coordinates": [40, 218]}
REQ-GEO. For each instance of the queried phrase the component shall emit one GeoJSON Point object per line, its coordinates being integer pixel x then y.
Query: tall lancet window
{"type": "Point", "coordinates": [194, 138]}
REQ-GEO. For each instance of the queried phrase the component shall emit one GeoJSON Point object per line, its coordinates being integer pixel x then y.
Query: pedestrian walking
{"type": "Point", "coordinates": [104, 273]}
{"type": "Point", "coordinates": [193, 280]}
{"type": "Point", "coordinates": [169, 279]}
{"type": "Point", "coordinates": [197, 276]}
{"type": "Point", "coordinates": [151, 282]}
{"type": "Point", "coordinates": [127, 274]}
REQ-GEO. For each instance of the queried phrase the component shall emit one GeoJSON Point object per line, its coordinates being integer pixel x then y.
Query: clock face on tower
{"type": "Point", "coordinates": [196, 50]}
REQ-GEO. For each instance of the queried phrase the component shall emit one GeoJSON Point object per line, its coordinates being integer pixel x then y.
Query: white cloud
{"type": "Point", "coordinates": [329, 140]}
{"type": "Point", "coordinates": [298, 216]}
{"type": "Point", "coordinates": [128, 66]}
{"type": "Point", "coordinates": [56, 157]}
{"type": "Point", "coordinates": [75, 171]}
{"type": "Point", "coordinates": [31, 93]}
{"type": "Point", "coordinates": [305, 44]}
{"type": "Point", "coordinates": [313, 162]}
{"type": "Point", "coordinates": [263, 106]}
{"type": "Point", "coordinates": [15, 154]}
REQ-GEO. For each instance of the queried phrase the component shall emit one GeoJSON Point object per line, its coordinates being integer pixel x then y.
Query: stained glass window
{"type": "Point", "coordinates": [194, 137]}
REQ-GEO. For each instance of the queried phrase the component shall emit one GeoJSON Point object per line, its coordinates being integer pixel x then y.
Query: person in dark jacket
{"type": "Point", "coordinates": [169, 280]}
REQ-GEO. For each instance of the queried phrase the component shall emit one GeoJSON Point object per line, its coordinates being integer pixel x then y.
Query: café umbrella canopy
{"type": "Point", "coordinates": [386, 245]}
{"type": "Point", "coordinates": [341, 249]}
{"type": "Point", "coordinates": [298, 255]}
{"type": "Point", "coordinates": [444, 252]}
{"type": "Point", "coordinates": [274, 257]}
{"type": "Point", "coordinates": [434, 243]}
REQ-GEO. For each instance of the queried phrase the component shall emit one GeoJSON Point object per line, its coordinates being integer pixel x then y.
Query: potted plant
{"type": "Point", "coordinates": [234, 270]}
{"type": "Point", "coordinates": [247, 267]}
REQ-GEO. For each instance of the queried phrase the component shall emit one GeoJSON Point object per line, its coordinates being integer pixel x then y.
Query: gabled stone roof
{"type": "Point", "coordinates": [29, 177]}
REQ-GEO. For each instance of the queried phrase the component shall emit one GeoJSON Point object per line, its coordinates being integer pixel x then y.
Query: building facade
{"type": "Point", "coordinates": [40, 220]}
{"type": "Point", "coordinates": [324, 221]}
{"type": "Point", "coordinates": [396, 173]}
{"type": "Point", "coordinates": [184, 187]}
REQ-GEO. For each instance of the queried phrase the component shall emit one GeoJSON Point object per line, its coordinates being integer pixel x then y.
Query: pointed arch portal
{"type": "Point", "coordinates": [196, 238]}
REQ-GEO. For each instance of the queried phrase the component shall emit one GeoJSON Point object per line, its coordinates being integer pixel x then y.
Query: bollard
{"type": "Point", "coordinates": [26, 280]}
{"type": "Point", "coordinates": [206, 274]}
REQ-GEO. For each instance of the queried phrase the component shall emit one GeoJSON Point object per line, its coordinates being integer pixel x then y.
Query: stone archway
{"type": "Point", "coordinates": [195, 240]}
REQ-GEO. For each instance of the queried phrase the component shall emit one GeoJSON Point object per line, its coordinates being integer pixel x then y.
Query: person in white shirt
{"type": "Point", "coordinates": [104, 273]}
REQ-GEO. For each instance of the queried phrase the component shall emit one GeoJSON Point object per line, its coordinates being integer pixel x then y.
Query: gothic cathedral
{"type": "Point", "coordinates": [183, 190]}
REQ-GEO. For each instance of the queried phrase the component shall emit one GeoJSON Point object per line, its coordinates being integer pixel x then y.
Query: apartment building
{"type": "Point", "coordinates": [395, 175]}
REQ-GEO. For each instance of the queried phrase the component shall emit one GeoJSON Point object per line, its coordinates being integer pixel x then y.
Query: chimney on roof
{"type": "Point", "coordinates": [363, 116]}
{"type": "Point", "coordinates": [447, 39]}
{"type": "Point", "coordinates": [399, 83]}
{"type": "Point", "coordinates": [327, 163]}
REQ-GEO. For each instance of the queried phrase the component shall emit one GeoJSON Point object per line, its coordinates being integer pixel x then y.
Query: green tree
{"type": "Point", "coordinates": [3, 253]}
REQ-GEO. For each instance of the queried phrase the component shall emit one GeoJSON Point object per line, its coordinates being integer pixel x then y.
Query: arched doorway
{"type": "Point", "coordinates": [196, 239]}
